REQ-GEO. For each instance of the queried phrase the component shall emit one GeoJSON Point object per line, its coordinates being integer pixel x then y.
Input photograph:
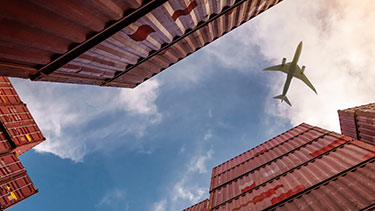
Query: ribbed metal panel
{"type": "Point", "coordinates": [327, 164]}
{"type": "Point", "coordinates": [201, 206]}
{"type": "Point", "coordinates": [142, 49]}
{"type": "Point", "coordinates": [359, 122]}
{"type": "Point", "coordinates": [260, 149]}
{"type": "Point", "coordinates": [274, 168]}
{"type": "Point", "coordinates": [267, 152]}
{"type": "Point", "coordinates": [352, 191]}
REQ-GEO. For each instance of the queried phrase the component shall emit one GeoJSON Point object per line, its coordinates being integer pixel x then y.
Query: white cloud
{"type": "Point", "coordinates": [208, 135]}
{"type": "Point", "coordinates": [338, 51]}
{"type": "Point", "coordinates": [160, 206]}
{"type": "Point", "coordinates": [187, 190]}
{"type": "Point", "coordinates": [70, 116]}
{"type": "Point", "coordinates": [114, 199]}
{"type": "Point", "coordinates": [141, 100]}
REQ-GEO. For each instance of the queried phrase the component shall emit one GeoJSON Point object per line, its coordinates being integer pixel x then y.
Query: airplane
{"type": "Point", "coordinates": [292, 70]}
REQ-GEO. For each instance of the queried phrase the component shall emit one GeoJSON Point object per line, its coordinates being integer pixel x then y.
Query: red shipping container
{"type": "Point", "coordinates": [258, 176]}
{"type": "Point", "coordinates": [359, 122]}
{"type": "Point", "coordinates": [267, 156]}
{"type": "Point", "coordinates": [333, 160]}
{"type": "Point", "coordinates": [16, 190]}
{"type": "Point", "coordinates": [10, 166]}
{"type": "Point", "coordinates": [5, 146]}
{"type": "Point", "coordinates": [8, 94]}
{"type": "Point", "coordinates": [20, 126]}
{"type": "Point", "coordinates": [258, 150]}
{"type": "Point", "coordinates": [201, 206]}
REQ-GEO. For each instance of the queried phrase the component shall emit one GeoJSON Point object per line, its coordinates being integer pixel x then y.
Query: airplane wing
{"type": "Point", "coordinates": [283, 68]}
{"type": "Point", "coordinates": [300, 75]}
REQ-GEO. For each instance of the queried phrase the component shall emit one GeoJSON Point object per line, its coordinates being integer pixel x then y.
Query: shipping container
{"type": "Point", "coordinates": [10, 166]}
{"type": "Point", "coordinates": [201, 206]}
{"type": "Point", "coordinates": [5, 146]}
{"type": "Point", "coordinates": [8, 94]}
{"type": "Point", "coordinates": [269, 155]}
{"type": "Point", "coordinates": [260, 149]}
{"type": "Point", "coordinates": [359, 122]}
{"type": "Point", "coordinates": [112, 43]}
{"type": "Point", "coordinates": [16, 190]}
{"type": "Point", "coordinates": [274, 168]}
{"type": "Point", "coordinates": [19, 125]}
{"type": "Point", "coordinates": [320, 163]}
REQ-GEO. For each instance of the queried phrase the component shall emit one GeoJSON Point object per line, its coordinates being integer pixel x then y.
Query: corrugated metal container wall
{"type": "Point", "coordinates": [10, 166]}
{"type": "Point", "coordinates": [15, 190]}
{"type": "Point", "coordinates": [359, 122]}
{"type": "Point", "coordinates": [20, 125]}
{"type": "Point", "coordinates": [34, 33]}
{"type": "Point", "coordinates": [5, 146]}
{"type": "Point", "coordinates": [266, 171]}
{"type": "Point", "coordinates": [319, 163]}
{"type": "Point", "coordinates": [201, 206]}
{"type": "Point", "coordinates": [8, 94]}
{"type": "Point", "coordinates": [241, 163]}
{"type": "Point", "coordinates": [155, 41]}
{"type": "Point", "coordinates": [18, 130]}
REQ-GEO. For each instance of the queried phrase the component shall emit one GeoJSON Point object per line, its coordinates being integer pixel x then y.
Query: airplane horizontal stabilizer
{"type": "Point", "coordinates": [283, 98]}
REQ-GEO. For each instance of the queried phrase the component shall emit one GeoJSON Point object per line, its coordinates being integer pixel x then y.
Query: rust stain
{"type": "Point", "coordinates": [142, 33]}
{"type": "Point", "coordinates": [185, 11]}
{"type": "Point", "coordinates": [288, 194]}
{"type": "Point", "coordinates": [327, 148]}
{"type": "Point", "coordinates": [266, 194]}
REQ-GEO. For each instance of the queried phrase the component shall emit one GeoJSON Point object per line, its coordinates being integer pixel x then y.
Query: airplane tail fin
{"type": "Point", "coordinates": [283, 98]}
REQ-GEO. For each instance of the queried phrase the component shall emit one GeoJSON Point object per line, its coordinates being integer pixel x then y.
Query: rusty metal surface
{"type": "Point", "coordinates": [359, 122]}
{"type": "Point", "coordinates": [335, 158]}
{"type": "Point", "coordinates": [201, 206]}
{"type": "Point", "coordinates": [142, 49]}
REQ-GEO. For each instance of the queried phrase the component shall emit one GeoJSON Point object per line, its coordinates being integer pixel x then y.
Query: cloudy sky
{"type": "Point", "coordinates": [153, 147]}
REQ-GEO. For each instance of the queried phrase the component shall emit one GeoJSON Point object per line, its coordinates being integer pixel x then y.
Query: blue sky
{"type": "Point", "coordinates": [153, 148]}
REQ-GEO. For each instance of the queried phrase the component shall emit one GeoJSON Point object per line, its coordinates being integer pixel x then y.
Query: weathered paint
{"type": "Point", "coordinates": [200, 206]}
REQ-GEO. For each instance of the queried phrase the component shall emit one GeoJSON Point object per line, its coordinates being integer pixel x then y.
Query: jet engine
{"type": "Point", "coordinates": [303, 69]}
{"type": "Point", "coordinates": [283, 61]}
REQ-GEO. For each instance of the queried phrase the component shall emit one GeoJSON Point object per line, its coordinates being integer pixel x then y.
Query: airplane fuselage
{"type": "Point", "coordinates": [292, 68]}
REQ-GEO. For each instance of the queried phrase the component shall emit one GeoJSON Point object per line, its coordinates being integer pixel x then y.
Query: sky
{"type": "Point", "coordinates": [153, 147]}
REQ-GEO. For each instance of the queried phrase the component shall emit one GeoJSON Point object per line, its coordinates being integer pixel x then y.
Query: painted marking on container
{"type": "Point", "coordinates": [271, 171]}
{"type": "Point", "coordinates": [266, 194]}
{"type": "Point", "coordinates": [33, 186]}
{"type": "Point", "coordinates": [327, 148]}
{"type": "Point", "coordinates": [185, 11]}
{"type": "Point", "coordinates": [3, 99]}
{"type": "Point", "coordinates": [247, 186]}
{"type": "Point", "coordinates": [288, 194]}
{"type": "Point", "coordinates": [28, 137]}
{"type": "Point", "coordinates": [8, 187]}
{"type": "Point", "coordinates": [13, 195]}
{"type": "Point", "coordinates": [142, 33]}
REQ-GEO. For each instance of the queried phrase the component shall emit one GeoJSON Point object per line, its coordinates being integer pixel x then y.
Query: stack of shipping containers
{"type": "Point", "coordinates": [18, 133]}
{"type": "Point", "coordinates": [305, 168]}
{"type": "Point", "coordinates": [359, 122]}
